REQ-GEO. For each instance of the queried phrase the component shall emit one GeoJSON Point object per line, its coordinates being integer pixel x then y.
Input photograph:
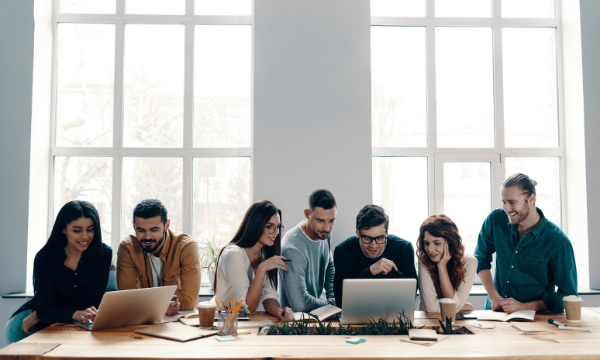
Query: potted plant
{"type": "Point", "coordinates": [112, 275]}
{"type": "Point", "coordinates": [209, 250]}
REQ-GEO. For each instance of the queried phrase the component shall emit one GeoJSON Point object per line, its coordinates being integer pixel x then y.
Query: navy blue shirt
{"type": "Point", "coordinates": [351, 263]}
{"type": "Point", "coordinates": [528, 270]}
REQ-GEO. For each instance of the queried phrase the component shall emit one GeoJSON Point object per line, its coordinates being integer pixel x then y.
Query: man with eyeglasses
{"type": "Point", "coordinates": [372, 253]}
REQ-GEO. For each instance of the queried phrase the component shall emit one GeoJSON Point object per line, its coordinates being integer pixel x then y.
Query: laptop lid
{"type": "Point", "coordinates": [377, 298]}
{"type": "Point", "coordinates": [133, 307]}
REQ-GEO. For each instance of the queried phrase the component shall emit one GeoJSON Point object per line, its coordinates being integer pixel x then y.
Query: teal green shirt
{"type": "Point", "coordinates": [529, 269]}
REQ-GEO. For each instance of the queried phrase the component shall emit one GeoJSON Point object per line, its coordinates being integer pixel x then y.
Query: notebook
{"type": "Point", "coordinates": [182, 314]}
{"type": "Point", "coordinates": [526, 315]}
{"type": "Point", "coordinates": [422, 334]}
{"type": "Point", "coordinates": [177, 332]}
{"type": "Point", "coordinates": [535, 328]}
{"type": "Point", "coordinates": [322, 313]}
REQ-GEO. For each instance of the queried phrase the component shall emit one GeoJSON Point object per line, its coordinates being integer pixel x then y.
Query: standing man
{"type": "Point", "coordinates": [158, 256]}
{"type": "Point", "coordinates": [532, 254]}
{"type": "Point", "coordinates": [308, 282]}
{"type": "Point", "coordinates": [372, 253]}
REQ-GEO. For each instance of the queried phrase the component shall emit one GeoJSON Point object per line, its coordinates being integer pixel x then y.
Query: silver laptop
{"type": "Point", "coordinates": [377, 298]}
{"type": "Point", "coordinates": [131, 307]}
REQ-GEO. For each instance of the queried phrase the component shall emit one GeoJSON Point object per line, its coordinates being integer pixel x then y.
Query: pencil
{"type": "Point", "coordinates": [230, 305]}
{"type": "Point", "coordinates": [218, 307]}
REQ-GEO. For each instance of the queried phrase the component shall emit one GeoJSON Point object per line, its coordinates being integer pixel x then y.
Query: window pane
{"type": "Point", "coordinates": [467, 198]}
{"type": "Point", "coordinates": [223, 7]}
{"type": "Point", "coordinates": [160, 7]}
{"type": "Point", "coordinates": [398, 8]}
{"type": "Point", "coordinates": [89, 179]}
{"type": "Point", "coordinates": [85, 85]}
{"type": "Point", "coordinates": [528, 9]}
{"type": "Point", "coordinates": [152, 178]}
{"type": "Point", "coordinates": [399, 97]}
{"type": "Point", "coordinates": [153, 81]}
{"type": "Point", "coordinates": [465, 87]}
{"type": "Point", "coordinates": [463, 8]}
{"type": "Point", "coordinates": [530, 88]}
{"type": "Point", "coordinates": [88, 6]}
{"type": "Point", "coordinates": [221, 197]}
{"type": "Point", "coordinates": [546, 171]}
{"type": "Point", "coordinates": [404, 197]}
{"type": "Point", "coordinates": [222, 69]}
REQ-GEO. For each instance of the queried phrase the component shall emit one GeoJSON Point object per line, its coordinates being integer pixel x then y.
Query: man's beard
{"type": "Point", "coordinates": [151, 250]}
{"type": "Point", "coordinates": [317, 232]}
{"type": "Point", "coordinates": [522, 216]}
{"type": "Point", "coordinates": [369, 256]}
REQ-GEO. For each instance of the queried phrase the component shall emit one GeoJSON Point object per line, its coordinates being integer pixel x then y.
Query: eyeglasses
{"type": "Point", "coordinates": [271, 228]}
{"type": "Point", "coordinates": [367, 239]}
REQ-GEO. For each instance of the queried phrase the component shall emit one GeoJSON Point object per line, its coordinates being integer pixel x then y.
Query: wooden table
{"type": "Point", "coordinates": [69, 342]}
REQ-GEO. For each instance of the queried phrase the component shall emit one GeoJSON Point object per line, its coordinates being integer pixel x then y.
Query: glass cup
{"type": "Point", "coordinates": [573, 307]}
{"type": "Point", "coordinates": [228, 324]}
{"type": "Point", "coordinates": [448, 309]}
{"type": "Point", "coordinates": [206, 313]}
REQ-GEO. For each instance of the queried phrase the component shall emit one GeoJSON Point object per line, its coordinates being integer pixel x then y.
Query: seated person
{"type": "Point", "coordinates": [372, 253]}
{"type": "Point", "coordinates": [444, 269]}
{"type": "Point", "coordinates": [247, 266]}
{"type": "Point", "coordinates": [158, 256]}
{"type": "Point", "coordinates": [308, 282]}
{"type": "Point", "coordinates": [533, 255]}
{"type": "Point", "coordinates": [70, 274]}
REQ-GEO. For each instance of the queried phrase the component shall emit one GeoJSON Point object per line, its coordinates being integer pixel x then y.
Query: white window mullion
{"type": "Point", "coordinates": [53, 117]}
{"type": "Point", "coordinates": [431, 89]}
{"type": "Point", "coordinates": [188, 183]}
{"type": "Point", "coordinates": [118, 128]}
{"type": "Point", "coordinates": [498, 87]}
{"type": "Point", "coordinates": [561, 116]}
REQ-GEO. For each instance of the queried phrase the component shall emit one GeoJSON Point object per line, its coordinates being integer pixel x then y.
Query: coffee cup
{"type": "Point", "coordinates": [572, 307]}
{"type": "Point", "coordinates": [448, 309]}
{"type": "Point", "coordinates": [206, 313]}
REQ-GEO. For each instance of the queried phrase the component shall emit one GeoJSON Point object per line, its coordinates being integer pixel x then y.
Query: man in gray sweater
{"type": "Point", "coordinates": [308, 282]}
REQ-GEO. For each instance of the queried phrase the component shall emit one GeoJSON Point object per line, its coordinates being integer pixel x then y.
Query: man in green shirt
{"type": "Point", "coordinates": [533, 255]}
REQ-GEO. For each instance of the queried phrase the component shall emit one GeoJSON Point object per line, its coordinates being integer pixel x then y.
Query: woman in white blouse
{"type": "Point", "coordinates": [444, 269]}
{"type": "Point", "coordinates": [247, 266]}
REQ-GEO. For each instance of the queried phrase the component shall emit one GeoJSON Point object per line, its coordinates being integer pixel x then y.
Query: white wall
{"type": "Point", "coordinates": [312, 106]}
{"type": "Point", "coordinates": [16, 64]}
{"type": "Point", "coordinates": [590, 39]}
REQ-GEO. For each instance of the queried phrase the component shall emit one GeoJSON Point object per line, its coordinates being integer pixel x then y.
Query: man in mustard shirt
{"type": "Point", "coordinates": [158, 256]}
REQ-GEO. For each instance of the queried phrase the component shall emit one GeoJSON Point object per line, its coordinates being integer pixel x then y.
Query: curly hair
{"type": "Point", "coordinates": [442, 226]}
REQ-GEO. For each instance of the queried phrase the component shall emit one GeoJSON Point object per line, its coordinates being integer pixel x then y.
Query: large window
{"type": "Point", "coordinates": [152, 99]}
{"type": "Point", "coordinates": [464, 93]}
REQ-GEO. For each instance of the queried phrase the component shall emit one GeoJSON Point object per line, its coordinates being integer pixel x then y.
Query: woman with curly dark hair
{"type": "Point", "coordinates": [444, 269]}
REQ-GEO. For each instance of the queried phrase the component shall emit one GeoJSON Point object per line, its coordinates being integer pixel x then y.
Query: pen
{"type": "Point", "coordinates": [286, 259]}
{"type": "Point", "coordinates": [554, 322]}
{"type": "Point", "coordinates": [573, 328]}
{"type": "Point", "coordinates": [398, 272]}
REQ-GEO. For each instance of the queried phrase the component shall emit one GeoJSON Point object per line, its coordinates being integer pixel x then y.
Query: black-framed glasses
{"type": "Point", "coordinates": [271, 228]}
{"type": "Point", "coordinates": [367, 239]}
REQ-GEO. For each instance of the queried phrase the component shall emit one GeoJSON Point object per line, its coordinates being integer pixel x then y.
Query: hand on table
{"type": "Point", "coordinates": [173, 306]}
{"type": "Point", "coordinates": [496, 303]}
{"type": "Point", "coordinates": [383, 266]}
{"type": "Point", "coordinates": [286, 314]}
{"type": "Point", "coordinates": [511, 305]}
{"type": "Point", "coordinates": [85, 315]}
{"type": "Point", "coordinates": [28, 323]}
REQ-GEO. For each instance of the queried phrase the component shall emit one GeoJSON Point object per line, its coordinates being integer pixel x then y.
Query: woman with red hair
{"type": "Point", "coordinates": [444, 269]}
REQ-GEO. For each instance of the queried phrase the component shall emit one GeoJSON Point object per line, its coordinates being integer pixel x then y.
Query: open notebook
{"type": "Point", "coordinates": [525, 315]}
{"type": "Point", "coordinates": [176, 331]}
{"type": "Point", "coordinates": [322, 313]}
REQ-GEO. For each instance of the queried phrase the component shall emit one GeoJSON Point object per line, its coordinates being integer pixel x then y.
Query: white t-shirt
{"type": "Point", "coordinates": [156, 264]}
{"type": "Point", "coordinates": [235, 275]}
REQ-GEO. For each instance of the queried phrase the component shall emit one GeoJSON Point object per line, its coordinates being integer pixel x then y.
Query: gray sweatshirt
{"type": "Point", "coordinates": [308, 282]}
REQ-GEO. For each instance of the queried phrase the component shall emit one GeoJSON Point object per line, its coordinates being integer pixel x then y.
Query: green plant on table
{"type": "Point", "coordinates": [448, 327]}
{"type": "Point", "coordinates": [209, 253]}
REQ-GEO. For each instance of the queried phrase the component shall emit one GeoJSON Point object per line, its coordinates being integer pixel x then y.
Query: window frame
{"type": "Point", "coordinates": [497, 23]}
{"type": "Point", "coordinates": [117, 151]}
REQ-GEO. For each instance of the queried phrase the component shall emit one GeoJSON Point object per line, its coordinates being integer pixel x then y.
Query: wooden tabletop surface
{"type": "Point", "coordinates": [69, 342]}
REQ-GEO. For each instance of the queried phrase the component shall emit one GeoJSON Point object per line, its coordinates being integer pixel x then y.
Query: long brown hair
{"type": "Point", "coordinates": [251, 229]}
{"type": "Point", "coordinates": [442, 226]}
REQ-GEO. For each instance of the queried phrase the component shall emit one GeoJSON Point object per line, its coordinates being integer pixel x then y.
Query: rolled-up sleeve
{"type": "Point", "coordinates": [564, 271]}
{"type": "Point", "coordinates": [485, 245]}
